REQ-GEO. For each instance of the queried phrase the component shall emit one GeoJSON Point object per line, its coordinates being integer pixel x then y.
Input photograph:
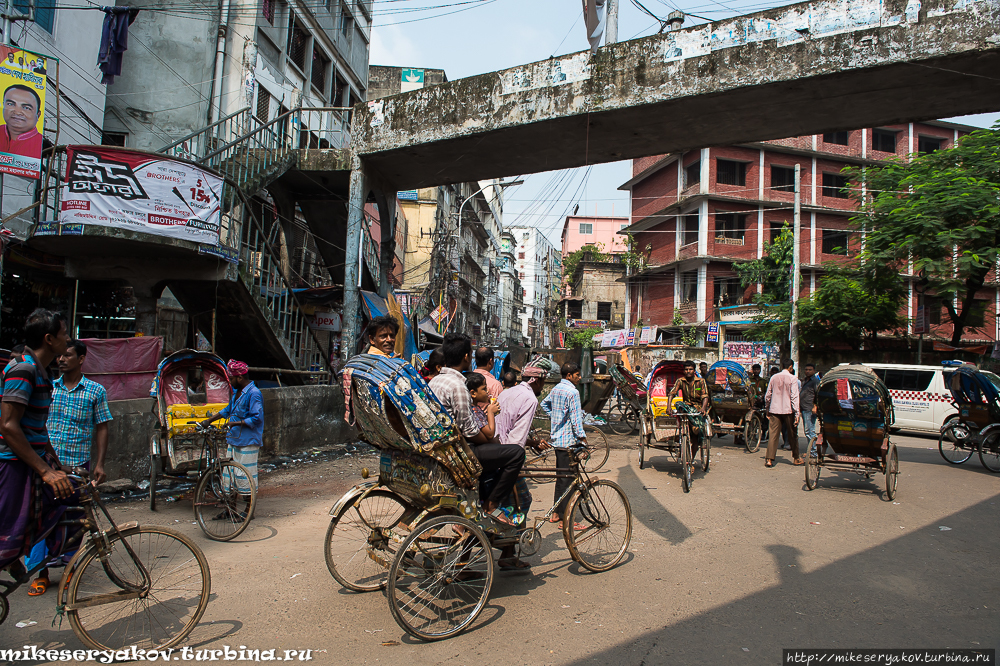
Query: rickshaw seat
{"type": "Point", "coordinates": [182, 418]}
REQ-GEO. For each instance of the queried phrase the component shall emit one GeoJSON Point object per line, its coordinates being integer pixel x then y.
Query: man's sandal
{"type": "Point", "coordinates": [38, 587]}
{"type": "Point", "coordinates": [768, 463]}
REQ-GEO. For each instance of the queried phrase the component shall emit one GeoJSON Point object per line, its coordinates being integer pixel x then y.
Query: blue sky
{"type": "Point", "coordinates": [468, 37]}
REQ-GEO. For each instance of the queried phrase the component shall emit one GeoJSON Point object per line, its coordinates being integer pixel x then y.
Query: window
{"type": "Point", "coordinates": [692, 174]}
{"type": "Point", "coordinates": [604, 311]}
{"type": "Point", "coordinates": [933, 305]}
{"type": "Point", "coordinates": [45, 12]}
{"type": "Point", "coordinates": [520, 255]}
{"type": "Point", "coordinates": [834, 185]}
{"type": "Point", "coordinates": [730, 227]}
{"type": "Point", "coordinates": [297, 41]}
{"type": "Point", "coordinates": [835, 242]}
{"type": "Point", "coordinates": [267, 10]}
{"type": "Point", "coordinates": [776, 228]}
{"type": "Point", "coordinates": [689, 286]}
{"type": "Point", "coordinates": [977, 313]}
{"type": "Point", "coordinates": [113, 139]}
{"type": "Point", "coordinates": [782, 178]}
{"type": "Point", "coordinates": [574, 309]}
{"type": "Point", "coordinates": [928, 144]}
{"type": "Point", "coordinates": [623, 226]}
{"type": "Point", "coordinates": [905, 380]}
{"type": "Point", "coordinates": [728, 172]}
{"type": "Point", "coordinates": [689, 228]}
{"type": "Point", "coordinates": [346, 23]}
{"type": "Point", "coordinates": [263, 104]}
{"type": "Point", "coordinates": [318, 74]}
{"type": "Point", "coordinates": [884, 140]}
{"type": "Point", "coordinates": [268, 49]}
{"type": "Point", "coordinates": [338, 89]}
{"type": "Point", "coordinates": [586, 228]}
{"type": "Point", "coordinates": [839, 138]}
{"type": "Point", "coordinates": [728, 291]}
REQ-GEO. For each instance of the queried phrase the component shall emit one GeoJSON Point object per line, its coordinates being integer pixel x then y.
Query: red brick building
{"type": "Point", "coordinates": [701, 211]}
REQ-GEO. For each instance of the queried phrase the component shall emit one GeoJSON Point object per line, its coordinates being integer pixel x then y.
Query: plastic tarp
{"type": "Point", "coordinates": [375, 306]}
{"type": "Point", "coordinates": [125, 367]}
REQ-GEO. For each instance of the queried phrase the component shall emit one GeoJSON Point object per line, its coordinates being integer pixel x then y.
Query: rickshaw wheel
{"type": "Point", "coordinates": [891, 472]}
{"type": "Point", "coordinates": [222, 512]}
{"type": "Point", "coordinates": [440, 578]}
{"type": "Point", "coordinates": [812, 467]}
{"type": "Point", "coordinates": [621, 419]}
{"type": "Point", "coordinates": [989, 452]}
{"type": "Point", "coordinates": [598, 525]}
{"type": "Point", "coordinates": [705, 450]}
{"type": "Point", "coordinates": [753, 432]}
{"type": "Point", "coordinates": [153, 463]}
{"type": "Point", "coordinates": [954, 443]}
{"type": "Point", "coordinates": [358, 546]}
{"type": "Point", "coordinates": [684, 444]}
{"type": "Point", "coordinates": [4, 608]}
{"type": "Point", "coordinates": [642, 453]}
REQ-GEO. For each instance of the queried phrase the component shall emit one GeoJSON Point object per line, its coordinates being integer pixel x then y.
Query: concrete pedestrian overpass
{"type": "Point", "coordinates": [799, 69]}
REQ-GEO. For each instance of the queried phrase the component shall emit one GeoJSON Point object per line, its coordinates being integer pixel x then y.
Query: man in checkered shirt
{"type": "Point", "coordinates": [78, 430]}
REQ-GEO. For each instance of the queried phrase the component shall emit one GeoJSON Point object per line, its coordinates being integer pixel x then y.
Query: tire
{"type": "Point", "coordinates": [154, 462]}
{"type": "Point", "coordinates": [168, 608]}
{"type": "Point", "coordinates": [598, 449]}
{"type": "Point", "coordinates": [621, 419]}
{"type": "Point", "coordinates": [753, 432]}
{"type": "Point", "coordinates": [955, 442]}
{"type": "Point", "coordinates": [684, 444]}
{"type": "Point", "coordinates": [440, 579]}
{"type": "Point", "coordinates": [642, 453]}
{"type": "Point", "coordinates": [222, 512]}
{"type": "Point", "coordinates": [891, 472]}
{"type": "Point", "coordinates": [604, 516]}
{"type": "Point", "coordinates": [812, 471]}
{"type": "Point", "coordinates": [705, 451]}
{"type": "Point", "coordinates": [358, 546]}
{"type": "Point", "coordinates": [989, 452]}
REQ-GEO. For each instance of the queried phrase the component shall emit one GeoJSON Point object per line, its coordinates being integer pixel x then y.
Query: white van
{"type": "Point", "coordinates": [920, 398]}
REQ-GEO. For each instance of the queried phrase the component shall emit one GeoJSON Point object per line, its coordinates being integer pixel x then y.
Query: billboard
{"type": "Point", "coordinates": [23, 81]}
{"type": "Point", "coordinates": [113, 187]}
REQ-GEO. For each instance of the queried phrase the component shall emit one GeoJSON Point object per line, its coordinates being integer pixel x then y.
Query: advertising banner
{"type": "Point", "coordinates": [325, 321]}
{"type": "Point", "coordinates": [748, 353]}
{"type": "Point", "coordinates": [713, 332]}
{"type": "Point", "coordinates": [112, 187]}
{"type": "Point", "coordinates": [23, 80]}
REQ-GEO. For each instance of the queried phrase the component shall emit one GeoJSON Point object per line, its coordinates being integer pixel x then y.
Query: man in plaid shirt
{"type": "Point", "coordinates": [563, 407]}
{"type": "Point", "coordinates": [78, 429]}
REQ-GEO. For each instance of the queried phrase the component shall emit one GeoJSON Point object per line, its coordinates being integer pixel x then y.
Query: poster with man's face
{"type": "Point", "coordinates": [22, 81]}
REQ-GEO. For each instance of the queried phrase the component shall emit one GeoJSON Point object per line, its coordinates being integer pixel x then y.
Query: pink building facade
{"type": "Point", "coordinates": [579, 230]}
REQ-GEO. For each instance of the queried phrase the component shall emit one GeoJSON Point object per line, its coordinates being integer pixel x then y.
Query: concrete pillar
{"type": "Point", "coordinates": [146, 294]}
{"type": "Point", "coordinates": [352, 269]}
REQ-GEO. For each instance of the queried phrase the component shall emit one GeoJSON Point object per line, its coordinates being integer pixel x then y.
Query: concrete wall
{"type": "Point", "coordinates": [295, 418]}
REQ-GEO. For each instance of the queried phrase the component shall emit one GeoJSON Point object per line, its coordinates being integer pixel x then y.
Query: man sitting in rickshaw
{"type": "Point", "coordinates": [694, 392]}
{"type": "Point", "coordinates": [382, 332]}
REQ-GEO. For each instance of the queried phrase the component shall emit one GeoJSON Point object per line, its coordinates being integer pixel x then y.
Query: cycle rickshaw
{"type": "Point", "coordinates": [127, 586]}
{"type": "Point", "coordinates": [625, 412]}
{"type": "Point", "coordinates": [976, 427]}
{"type": "Point", "coordinates": [855, 414]}
{"type": "Point", "coordinates": [734, 404]}
{"type": "Point", "coordinates": [669, 429]}
{"type": "Point", "coordinates": [418, 529]}
{"type": "Point", "coordinates": [180, 449]}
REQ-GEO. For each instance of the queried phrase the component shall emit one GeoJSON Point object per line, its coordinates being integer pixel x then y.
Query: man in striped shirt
{"type": "Point", "coordinates": [27, 460]}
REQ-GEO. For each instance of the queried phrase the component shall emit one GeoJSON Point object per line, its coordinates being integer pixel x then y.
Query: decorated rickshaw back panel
{"type": "Point", "coordinates": [661, 381]}
{"type": "Point", "coordinates": [405, 472]}
{"type": "Point", "coordinates": [733, 394]}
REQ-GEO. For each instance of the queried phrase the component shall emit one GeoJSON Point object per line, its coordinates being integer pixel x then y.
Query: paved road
{"type": "Point", "coordinates": [746, 564]}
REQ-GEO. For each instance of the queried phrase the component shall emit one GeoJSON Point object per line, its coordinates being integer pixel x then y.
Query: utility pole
{"type": "Point", "coordinates": [612, 31]}
{"type": "Point", "coordinates": [793, 329]}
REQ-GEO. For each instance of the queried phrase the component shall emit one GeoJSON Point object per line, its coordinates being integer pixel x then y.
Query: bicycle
{"type": "Point", "coordinates": [126, 585]}
{"type": "Point", "coordinates": [222, 508]}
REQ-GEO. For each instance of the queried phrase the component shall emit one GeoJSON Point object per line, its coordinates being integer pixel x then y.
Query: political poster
{"type": "Point", "coordinates": [111, 187]}
{"type": "Point", "coordinates": [23, 80]}
{"type": "Point", "coordinates": [631, 338]}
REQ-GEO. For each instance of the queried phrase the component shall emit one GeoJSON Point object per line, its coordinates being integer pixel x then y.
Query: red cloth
{"type": "Point", "coordinates": [125, 367]}
{"type": "Point", "coordinates": [28, 144]}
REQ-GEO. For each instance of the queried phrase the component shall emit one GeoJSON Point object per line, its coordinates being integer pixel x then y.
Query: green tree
{"type": "Point", "coordinates": [942, 212]}
{"type": "Point", "coordinates": [582, 337]}
{"type": "Point", "coordinates": [852, 306]}
{"type": "Point", "coordinates": [593, 252]}
{"type": "Point", "coordinates": [773, 271]}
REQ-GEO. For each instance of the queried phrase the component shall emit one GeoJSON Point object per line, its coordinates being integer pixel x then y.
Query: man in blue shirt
{"type": "Point", "coordinates": [245, 412]}
{"type": "Point", "coordinates": [563, 407]}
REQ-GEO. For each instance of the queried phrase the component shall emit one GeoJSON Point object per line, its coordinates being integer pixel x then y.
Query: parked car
{"type": "Point", "coordinates": [920, 397]}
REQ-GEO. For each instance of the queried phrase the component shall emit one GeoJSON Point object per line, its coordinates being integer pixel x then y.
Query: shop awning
{"type": "Point", "coordinates": [427, 326]}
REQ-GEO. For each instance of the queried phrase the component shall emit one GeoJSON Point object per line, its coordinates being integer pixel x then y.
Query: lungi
{"type": "Point", "coordinates": [246, 456]}
{"type": "Point", "coordinates": [29, 511]}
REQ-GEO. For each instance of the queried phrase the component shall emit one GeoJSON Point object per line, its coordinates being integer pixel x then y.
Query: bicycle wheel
{"type": "Point", "coordinates": [891, 472]}
{"type": "Point", "coordinates": [753, 432]}
{"type": "Point", "coordinates": [440, 578]}
{"type": "Point", "coordinates": [955, 442]}
{"type": "Point", "coordinates": [684, 444]}
{"type": "Point", "coordinates": [598, 449]}
{"type": "Point", "coordinates": [359, 547]}
{"type": "Point", "coordinates": [599, 525]}
{"type": "Point", "coordinates": [989, 452]}
{"type": "Point", "coordinates": [112, 605]}
{"type": "Point", "coordinates": [812, 467]}
{"type": "Point", "coordinates": [617, 421]}
{"type": "Point", "coordinates": [222, 506]}
{"type": "Point", "coordinates": [705, 453]}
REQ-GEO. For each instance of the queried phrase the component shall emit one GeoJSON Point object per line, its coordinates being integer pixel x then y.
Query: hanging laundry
{"type": "Point", "coordinates": [114, 40]}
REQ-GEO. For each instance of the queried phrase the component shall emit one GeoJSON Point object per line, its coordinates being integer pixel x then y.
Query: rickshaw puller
{"type": "Point", "coordinates": [694, 392]}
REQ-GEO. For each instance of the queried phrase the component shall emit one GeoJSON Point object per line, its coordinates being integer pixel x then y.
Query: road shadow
{"type": "Point", "coordinates": [648, 511]}
{"type": "Point", "coordinates": [927, 589]}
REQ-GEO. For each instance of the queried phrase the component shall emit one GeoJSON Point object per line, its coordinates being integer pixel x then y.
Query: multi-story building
{"type": "Point", "coordinates": [700, 211]}
{"type": "Point", "coordinates": [510, 292]}
{"type": "Point", "coordinates": [267, 55]}
{"type": "Point", "coordinates": [539, 270]}
{"type": "Point", "coordinates": [601, 232]}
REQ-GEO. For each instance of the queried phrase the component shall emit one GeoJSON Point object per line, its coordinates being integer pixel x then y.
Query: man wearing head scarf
{"type": "Point", "coordinates": [245, 412]}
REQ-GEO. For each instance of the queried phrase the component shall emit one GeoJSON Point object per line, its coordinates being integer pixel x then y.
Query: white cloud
{"type": "Point", "coordinates": [390, 46]}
